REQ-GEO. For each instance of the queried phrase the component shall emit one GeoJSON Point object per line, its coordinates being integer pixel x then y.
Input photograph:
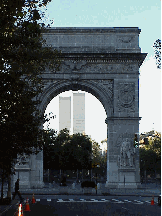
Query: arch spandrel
{"type": "Point", "coordinates": [96, 88]}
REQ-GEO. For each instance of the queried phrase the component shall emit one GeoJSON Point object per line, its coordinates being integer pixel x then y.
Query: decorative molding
{"type": "Point", "coordinates": [125, 39]}
{"type": "Point", "coordinates": [75, 65]}
{"type": "Point", "coordinates": [107, 85]}
{"type": "Point", "coordinates": [92, 30]}
{"type": "Point", "coordinates": [129, 68]}
{"type": "Point", "coordinates": [126, 97]}
{"type": "Point", "coordinates": [109, 119]}
{"type": "Point", "coordinates": [105, 57]}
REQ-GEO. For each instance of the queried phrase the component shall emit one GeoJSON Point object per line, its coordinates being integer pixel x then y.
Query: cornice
{"type": "Point", "coordinates": [92, 30]}
{"type": "Point", "coordinates": [105, 57]}
{"type": "Point", "coordinates": [122, 118]}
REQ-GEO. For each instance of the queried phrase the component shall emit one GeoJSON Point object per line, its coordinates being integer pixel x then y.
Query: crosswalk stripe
{"type": "Point", "coordinates": [100, 200]}
{"type": "Point", "coordinates": [72, 200]}
{"type": "Point", "coordinates": [118, 201]}
{"type": "Point", "coordinates": [82, 199]}
{"type": "Point", "coordinates": [115, 199]}
{"type": "Point", "coordinates": [60, 200]}
{"type": "Point", "coordinates": [48, 200]}
{"type": "Point", "coordinates": [138, 202]}
{"type": "Point", "coordinates": [127, 201]}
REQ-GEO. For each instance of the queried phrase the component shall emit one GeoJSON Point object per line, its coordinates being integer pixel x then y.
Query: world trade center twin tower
{"type": "Point", "coordinates": [72, 113]}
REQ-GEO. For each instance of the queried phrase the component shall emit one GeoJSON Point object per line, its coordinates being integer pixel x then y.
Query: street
{"type": "Point", "coordinates": [79, 205]}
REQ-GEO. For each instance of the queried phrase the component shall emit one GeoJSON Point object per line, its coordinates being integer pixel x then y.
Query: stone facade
{"type": "Point", "coordinates": [104, 62]}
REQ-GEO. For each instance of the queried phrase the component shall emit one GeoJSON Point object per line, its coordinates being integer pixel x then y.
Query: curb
{"type": "Point", "coordinates": [90, 194]}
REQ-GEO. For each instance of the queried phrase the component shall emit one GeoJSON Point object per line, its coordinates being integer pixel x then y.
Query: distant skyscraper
{"type": "Point", "coordinates": [78, 113]}
{"type": "Point", "coordinates": [65, 113]}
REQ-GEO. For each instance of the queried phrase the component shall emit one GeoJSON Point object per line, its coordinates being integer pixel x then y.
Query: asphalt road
{"type": "Point", "coordinates": [70, 205]}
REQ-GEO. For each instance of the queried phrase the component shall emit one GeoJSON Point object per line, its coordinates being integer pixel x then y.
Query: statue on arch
{"type": "Point", "coordinates": [126, 153]}
{"type": "Point", "coordinates": [22, 159]}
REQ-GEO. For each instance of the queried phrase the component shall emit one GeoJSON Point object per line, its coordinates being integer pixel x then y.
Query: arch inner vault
{"type": "Point", "coordinates": [104, 62]}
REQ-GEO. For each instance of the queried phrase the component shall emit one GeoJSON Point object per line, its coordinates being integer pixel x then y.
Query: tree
{"type": "Point", "coordinates": [157, 50]}
{"type": "Point", "coordinates": [150, 155]}
{"type": "Point", "coordinates": [49, 153]}
{"type": "Point", "coordinates": [81, 151]}
{"type": "Point", "coordinates": [96, 154]}
{"type": "Point", "coordinates": [67, 152]}
{"type": "Point", "coordinates": [54, 149]}
{"type": "Point", "coordinates": [23, 58]}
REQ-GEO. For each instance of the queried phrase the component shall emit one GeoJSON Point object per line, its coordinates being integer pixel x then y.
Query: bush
{"type": "Point", "coordinates": [63, 184]}
{"type": "Point", "coordinates": [88, 184]}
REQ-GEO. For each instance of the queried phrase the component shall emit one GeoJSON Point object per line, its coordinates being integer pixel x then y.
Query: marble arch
{"type": "Point", "coordinates": [104, 62]}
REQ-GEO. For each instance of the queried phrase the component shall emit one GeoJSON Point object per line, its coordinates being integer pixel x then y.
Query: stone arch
{"type": "Point", "coordinates": [104, 62]}
{"type": "Point", "coordinates": [89, 86]}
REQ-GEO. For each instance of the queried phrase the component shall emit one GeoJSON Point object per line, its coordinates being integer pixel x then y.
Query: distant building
{"type": "Point", "coordinates": [148, 136]}
{"type": "Point", "coordinates": [103, 146]}
{"type": "Point", "coordinates": [65, 113]}
{"type": "Point", "coordinates": [78, 113]}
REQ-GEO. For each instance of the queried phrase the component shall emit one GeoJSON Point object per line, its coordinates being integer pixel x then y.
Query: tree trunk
{"type": "Point", "coordinates": [9, 187]}
{"type": "Point", "coordinates": [77, 174]}
{"type": "Point", "coordinates": [2, 185]}
{"type": "Point", "coordinates": [91, 174]}
{"type": "Point", "coordinates": [82, 175]}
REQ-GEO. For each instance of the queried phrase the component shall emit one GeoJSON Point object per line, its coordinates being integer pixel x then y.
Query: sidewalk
{"type": "Point", "coordinates": [72, 189]}
{"type": "Point", "coordinates": [54, 189]}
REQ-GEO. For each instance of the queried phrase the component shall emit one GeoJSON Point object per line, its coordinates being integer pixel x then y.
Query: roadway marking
{"type": "Point", "coordinates": [125, 208]}
{"type": "Point", "coordinates": [60, 200]}
{"type": "Point", "coordinates": [127, 201]}
{"type": "Point", "coordinates": [138, 202]}
{"type": "Point", "coordinates": [48, 200]}
{"type": "Point", "coordinates": [148, 201]}
{"type": "Point", "coordinates": [117, 201]}
{"type": "Point", "coordinates": [82, 200]}
{"type": "Point", "coordinates": [71, 200]}
{"type": "Point", "coordinates": [95, 200]}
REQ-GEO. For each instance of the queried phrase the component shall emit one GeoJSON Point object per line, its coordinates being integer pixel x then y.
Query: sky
{"type": "Point", "coordinates": [145, 14]}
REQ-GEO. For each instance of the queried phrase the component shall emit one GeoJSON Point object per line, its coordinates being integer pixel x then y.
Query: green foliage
{"type": "Point", "coordinates": [157, 50]}
{"type": "Point", "coordinates": [96, 153]}
{"type": "Point", "coordinates": [150, 156]}
{"type": "Point", "coordinates": [67, 152]}
{"type": "Point", "coordinates": [23, 59]}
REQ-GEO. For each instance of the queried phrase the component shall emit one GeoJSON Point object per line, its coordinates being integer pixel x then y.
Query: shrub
{"type": "Point", "coordinates": [88, 184]}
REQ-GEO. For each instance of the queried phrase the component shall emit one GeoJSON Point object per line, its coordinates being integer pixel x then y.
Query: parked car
{"type": "Point", "coordinates": [159, 200]}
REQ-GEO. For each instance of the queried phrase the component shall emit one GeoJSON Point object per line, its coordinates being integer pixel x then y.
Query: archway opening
{"type": "Point", "coordinates": [95, 128]}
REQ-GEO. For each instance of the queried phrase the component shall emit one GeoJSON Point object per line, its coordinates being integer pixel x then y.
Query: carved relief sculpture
{"type": "Point", "coordinates": [126, 154]}
{"type": "Point", "coordinates": [22, 159]}
{"type": "Point", "coordinates": [126, 97]}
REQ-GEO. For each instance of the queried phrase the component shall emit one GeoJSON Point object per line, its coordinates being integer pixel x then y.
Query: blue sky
{"type": "Point", "coordinates": [104, 13]}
